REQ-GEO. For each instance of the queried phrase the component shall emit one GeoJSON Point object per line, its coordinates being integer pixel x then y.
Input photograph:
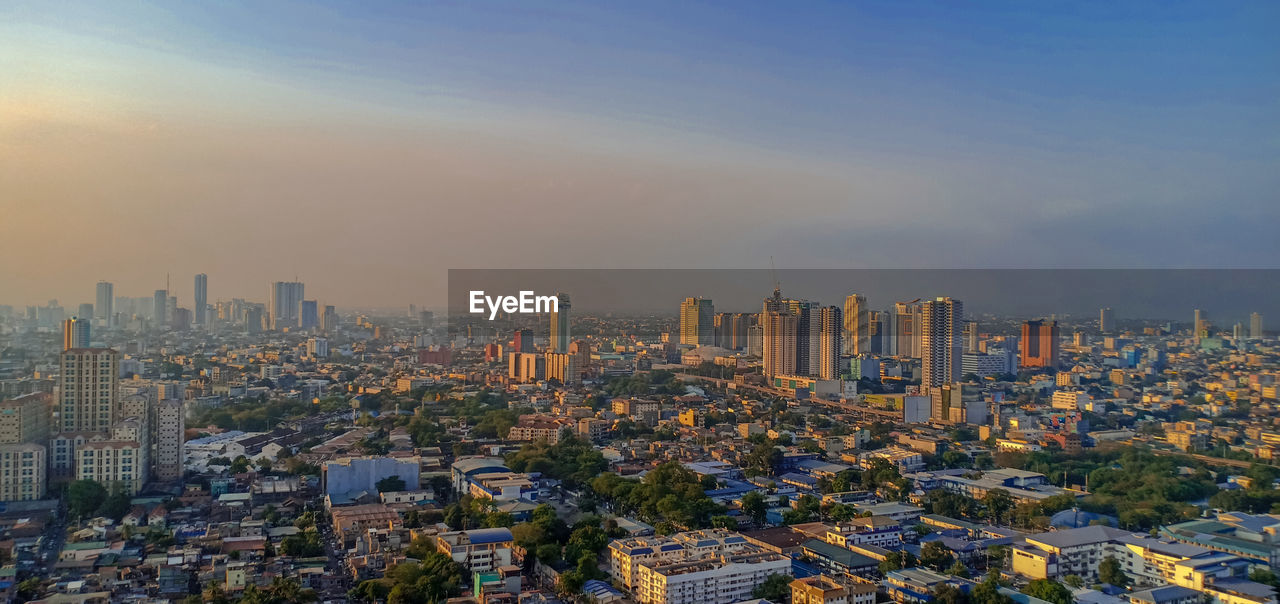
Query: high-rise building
{"type": "Point", "coordinates": [160, 312]}
{"type": "Point", "coordinates": [1255, 326]}
{"type": "Point", "coordinates": [971, 336]}
{"type": "Point", "coordinates": [169, 432]}
{"type": "Point", "coordinates": [329, 321]}
{"type": "Point", "coordinates": [309, 316]}
{"type": "Point", "coordinates": [1106, 320]}
{"type": "Point", "coordinates": [75, 333]}
{"type": "Point", "coordinates": [697, 322]}
{"type": "Point", "coordinates": [522, 341]}
{"type": "Point", "coordinates": [940, 349]}
{"type": "Point", "coordinates": [831, 329]}
{"type": "Point", "coordinates": [318, 348]}
{"type": "Point", "coordinates": [1201, 324]}
{"type": "Point", "coordinates": [560, 319]}
{"type": "Point", "coordinates": [116, 464]}
{"type": "Point", "coordinates": [201, 299]}
{"type": "Point", "coordinates": [24, 467]}
{"type": "Point", "coordinates": [857, 325]}
{"type": "Point", "coordinates": [780, 332]}
{"type": "Point", "coordinates": [25, 419]}
{"type": "Point", "coordinates": [904, 330]}
{"type": "Point", "coordinates": [86, 312]}
{"type": "Point", "coordinates": [87, 384]}
{"type": "Point", "coordinates": [1040, 344]}
{"type": "Point", "coordinates": [731, 330]}
{"type": "Point", "coordinates": [563, 366]}
{"type": "Point", "coordinates": [103, 309]}
{"type": "Point", "coordinates": [286, 304]}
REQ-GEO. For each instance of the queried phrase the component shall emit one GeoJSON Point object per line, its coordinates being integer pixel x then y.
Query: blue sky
{"type": "Point", "coordinates": [640, 134]}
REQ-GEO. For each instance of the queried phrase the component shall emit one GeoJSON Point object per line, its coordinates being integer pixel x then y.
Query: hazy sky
{"type": "Point", "coordinates": [369, 149]}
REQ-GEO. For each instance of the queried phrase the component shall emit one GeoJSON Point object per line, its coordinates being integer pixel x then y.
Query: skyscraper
{"type": "Point", "coordinates": [286, 303]}
{"type": "Point", "coordinates": [1255, 326]}
{"type": "Point", "coordinates": [1106, 320]}
{"type": "Point", "coordinates": [560, 319]}
{"type": "Point", "coordinates": [522, 341]}
{"type": "Point", "coordinates": [87, 385]}
{"type": "Point", "coordinates": [697, 322]}
{"type": "Point", "coordinates": [309, 317]}
{"type": "Point", "coordinates": [103, 309]}
{"type": "Point", "coordinates": [904, 330]}
{"type": "Point", "coordinates": [940, 349]}
{"type": "Point", "coordinates": [201, 299]}
{"type": "Point", "coordinates": [779, 342]}
{"type": "Point", "coordinates": [1200, 324]}
{"type": "Point", "coordinates": [160, 312]}
{"type": "Point", "coordinates": [329, 321]}
{"type": "Point", "coordinates": [857, 325]}
{"type": "Point", "coordinates": [970, 336]}
{"type": "Point", "coordinates": [75, 333]}
{"type": "Point", "coordinates": [831, 327]}
{"type": "Point", "coordinates": [1040, 344]}
{"type": "Point", "coordinates": [169, 429]}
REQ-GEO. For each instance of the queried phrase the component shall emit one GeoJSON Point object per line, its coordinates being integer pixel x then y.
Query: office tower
{"type": "Point", "coordinates": [697, 322]}
{"type": "Point", "coordinates": [560, 318]}
{"type": "Point", "coordinates": [253, 318]}
{"type": "Point", "coordinates": [86, 312]}
{"type": "Point", "coordinates": [103, 309]}
{"type": "Point", "coordinates": [318, 348]}
{"type": "Point", "coordinates": [857, 325]}
{"type": "Point", "coordinates": [1201, 324]}
{"type": "Point", "coordinates": [75, 333]}
{"type": "Point", "coordinates": [731, 330]}
{"type": "Point", "coordinates": [329, 320]}
{"type": "Point", "coordinates": [1079, 338]}
{"type": "Point", "coordinates": [1040, 344]}
{"type": "Point", "coordinates": [87, 384]}
{"type": "Point", "coordinates": [563, 367]}
{"type": "Point", "coordinates": [905, 330]}
{"type": "Point", "coordinates": [1237, 332]}
{"type": "Point", "coordinates": [1255, 326]}
{"type": "Point", "coordinates": [831, 328]}
{"type": "Point", "coordinates": [1106, 320]}
{"type": "Point", "coordinates": [940, 350]}
{"type": "Point", "coordinates": [286, 303]}
{"type": "Point", "coordinates": [160, 312]}
{"type": "Point", "coordinates": [201, 299]}
{"type": "Point", "coordinates": [970, 336]}
{"type": "Point", "coordinates": [780, 331]}
{"type": "Point", "coordinates": [522, 341]}
{"type": "Point", "coordinates": [169, 431]}
{"type": "Point", "coordinates": [309, 316]}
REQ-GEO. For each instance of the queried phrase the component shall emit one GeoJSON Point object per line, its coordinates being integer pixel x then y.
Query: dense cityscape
{"type": "Point", "coordinates": [185, 448]}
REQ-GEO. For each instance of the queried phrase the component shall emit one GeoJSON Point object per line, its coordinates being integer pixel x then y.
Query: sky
{"type": "Point", "coordinates": [368, 148]}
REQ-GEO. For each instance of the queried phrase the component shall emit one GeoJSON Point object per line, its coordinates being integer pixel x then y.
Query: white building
{"type": "Point", "coordinates": [714, 579]}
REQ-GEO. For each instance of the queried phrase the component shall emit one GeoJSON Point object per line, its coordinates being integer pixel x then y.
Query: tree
{"type": "Point", "coordinates": [897, 561]}
{"type": "Point", "coordinates": [1109, 571]}
{"type": "Point", "coordinates": [958, 570]}
{"type": "Point", "coordinates": [84, 497]}
{"type": "Point", "coordinates": [998, 503]}
{"type": "Point", "coordinates": [1049, 591]}
{"type": "Point", "coordinates": [775, 588]}
{"type": "Point", "coordinates": [947, 593]}
{"type": "Point", "coordinates": [390, 484]}
{"type": "Point", "coordinates": [1074, 581]}
{"type": "Point", "coordinates": [935, 555]}
{"type": "Point", "coordinates": [988, 591]}
{"type": "Point", "coordinates": [239, 466]}
{"type": "Point", "coordinates": [754, 507]}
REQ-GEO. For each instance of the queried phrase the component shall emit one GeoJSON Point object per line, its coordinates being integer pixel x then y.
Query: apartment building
{"type": "Point", "coordinates": [114, 463]}
{"type": "Point", "coordinates": [22, 472]}
{"type": "Point", "coordinates": [821, 589]}
{"type": "Point", "coordinates": [714, 579]}
{"type": "Point", "coordinates": [627, 555]}
{"type": "Point", "coordinates": [480, 550]}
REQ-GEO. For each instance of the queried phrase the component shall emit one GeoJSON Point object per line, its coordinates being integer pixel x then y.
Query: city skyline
{"type": "Point", "coordinates": [868, 134]}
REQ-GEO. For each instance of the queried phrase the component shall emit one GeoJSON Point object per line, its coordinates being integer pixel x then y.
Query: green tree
{"type": "Point", "coordinates": [754, 507]}
{"type": "Point", "coordinates": [390, 484]}
{"type": "Point", "coordinates": [947, 593]}
{"type": "Point", "coordinates": [1110, 571]}
{"type": "Point", "coordinates": [1049, 591]}
{"type": "Point", "coordinates": [84, 497]}
{"type": "Point", "coordinates": [935, 555]}
{"type": "Point", "coordinates": [775, 588]}
{"type": "Point", "coordinates": [988, 591]}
